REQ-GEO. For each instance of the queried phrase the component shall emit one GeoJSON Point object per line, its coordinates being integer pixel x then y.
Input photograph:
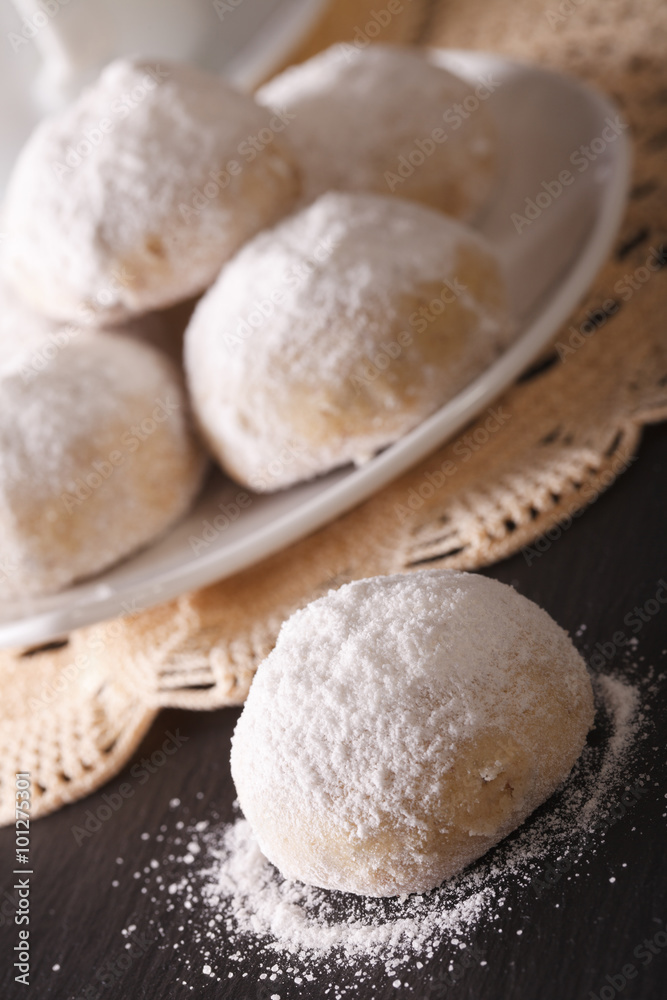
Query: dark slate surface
{"type": "Point", "coordinates": [576, 937]}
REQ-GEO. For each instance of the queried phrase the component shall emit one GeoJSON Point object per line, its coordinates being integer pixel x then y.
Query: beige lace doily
{"type": "Point", "coordinates": [66, 720]}
{"type": "Point", "coordinates": [539, 455]}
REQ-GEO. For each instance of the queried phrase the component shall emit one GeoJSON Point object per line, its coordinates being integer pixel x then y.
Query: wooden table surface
{"type": "Point", "coordinates": [573, 938]}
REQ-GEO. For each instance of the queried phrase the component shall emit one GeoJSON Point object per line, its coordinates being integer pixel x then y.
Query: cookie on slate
{"type": "Point", "coordinates": [402, 726]}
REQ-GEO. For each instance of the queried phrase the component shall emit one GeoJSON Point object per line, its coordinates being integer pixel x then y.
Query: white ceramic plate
{"type": "Point", "coordinates": [544, 122]}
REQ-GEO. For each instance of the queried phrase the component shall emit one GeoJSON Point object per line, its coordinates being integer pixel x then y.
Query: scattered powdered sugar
{"type": "Point", "coordinates": [303, 919]}
{"type": "Point", "coordinates": [622, 704]}
{"type": "Point", "coordinates": [241, 915]}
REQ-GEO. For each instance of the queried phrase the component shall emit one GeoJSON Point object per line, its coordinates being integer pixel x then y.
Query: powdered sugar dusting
{"type": "Point", "coordinates": [241, 914]}
{"type": "Point", "coordinates": [621, 701]}
{"type": "Point", "coordinates": [126, 200]}
{"type": "Point", "coordinates": [82, 416]}
{"type": "Point", "coordinates": [300, 918]}
{"type": "Point", "coordinates": [386, 703]}
{"type": "Point", "coordinates": [322, 294]}
{"type": "Point", "coordinates": [364, 121]}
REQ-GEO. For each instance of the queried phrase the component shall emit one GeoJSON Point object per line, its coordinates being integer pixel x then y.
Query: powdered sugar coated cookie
{"type": "Point", "coordinates": [403, 725]}
{"type": "Point", "coordinates": [97, 455]}
{"type": "Point", "coordinates": [134, 196]}
{"type": "Point", "coordinates": [333, 334]}
{"type": "Point", "coordinates": [387, 119]}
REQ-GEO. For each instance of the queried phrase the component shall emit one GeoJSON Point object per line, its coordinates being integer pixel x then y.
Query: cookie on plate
{"type": "Point", "coordinates": [333, 334]}
{"type": "Point", "coordinates": [133, 197]}
{"type": "Point", "coordinates": [388, 119]}
{"type": "Point", "coordinates": [97, 455]}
